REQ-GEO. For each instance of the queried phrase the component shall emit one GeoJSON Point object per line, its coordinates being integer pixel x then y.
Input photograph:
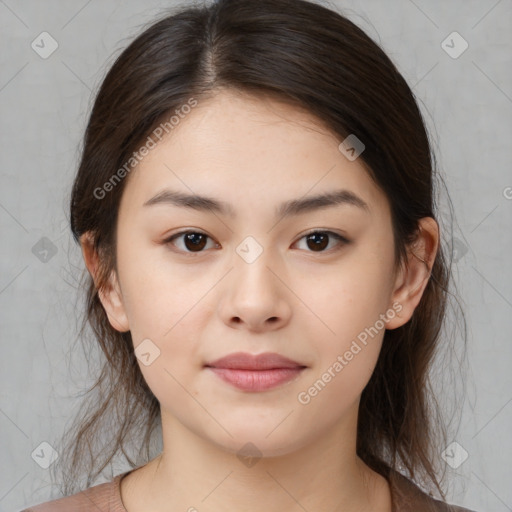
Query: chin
{"type": "Point", "coordinates": [257, 443]}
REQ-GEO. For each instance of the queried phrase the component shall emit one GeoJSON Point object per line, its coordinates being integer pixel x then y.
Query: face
{"type": "Point", "coordinates": [252, 278]}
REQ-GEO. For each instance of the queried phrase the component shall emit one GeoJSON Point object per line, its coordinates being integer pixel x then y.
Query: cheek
{"type": "Point", "coordinates": [346, 351]}
{"type": "Point", "coordinates": [157, 298]}
{"type": "Point", "coordinates": [168, 308]}
{"type": "Point", "coordinates": [345, 300]}
{"type": "Point", "coordinates": [334, 390]}
{"type": "Point", "coordinates": [347, 326]}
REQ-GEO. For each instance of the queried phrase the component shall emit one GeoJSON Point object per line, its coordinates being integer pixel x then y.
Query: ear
{"type": "Point", "coordinates": [412, 278]}
{"type": "Point", "coordinates": [110, 294]}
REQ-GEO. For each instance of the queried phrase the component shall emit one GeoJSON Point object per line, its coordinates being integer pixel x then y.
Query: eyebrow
{"type": "Point", "coordinates": [285, 209]}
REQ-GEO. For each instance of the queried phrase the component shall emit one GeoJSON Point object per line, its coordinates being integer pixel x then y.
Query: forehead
{"type": "Point", "coordinates": [246, 149]}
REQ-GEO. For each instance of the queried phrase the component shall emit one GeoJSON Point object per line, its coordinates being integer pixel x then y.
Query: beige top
{"type": "Point", "coordinates": [106, 497]}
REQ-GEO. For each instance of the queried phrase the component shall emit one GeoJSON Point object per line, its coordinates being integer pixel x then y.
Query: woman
{"type": "Point", "coordinates": [255, 206]}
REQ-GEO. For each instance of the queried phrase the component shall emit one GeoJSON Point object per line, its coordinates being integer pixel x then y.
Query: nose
{"type": "Point", "coordinates": [254, 295]}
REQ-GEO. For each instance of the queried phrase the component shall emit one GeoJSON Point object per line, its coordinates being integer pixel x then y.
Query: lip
{"type": "Point", "coordinates": [246, 361]}
{"type": "Point", "coordinates": [255, 372]}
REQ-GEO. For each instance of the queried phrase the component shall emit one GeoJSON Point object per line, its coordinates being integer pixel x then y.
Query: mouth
{"type": "Point", "coordinates": [255, 373]}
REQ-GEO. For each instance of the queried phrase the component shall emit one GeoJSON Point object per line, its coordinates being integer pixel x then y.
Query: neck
{"type": "Point", "coordinates": [194, 474]}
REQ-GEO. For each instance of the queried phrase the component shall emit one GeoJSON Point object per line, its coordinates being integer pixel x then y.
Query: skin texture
{"type": "Point", "coordinates": [303, 303]}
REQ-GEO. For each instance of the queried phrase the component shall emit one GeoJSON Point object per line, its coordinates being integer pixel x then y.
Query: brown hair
{"type": "Point", "coordinates": [316, 59]}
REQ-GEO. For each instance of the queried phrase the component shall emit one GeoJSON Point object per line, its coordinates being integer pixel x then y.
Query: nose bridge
{"type": "Point", "coordinates": [255, 294]}
{"type": "Point", "coordinates": [252, 262]}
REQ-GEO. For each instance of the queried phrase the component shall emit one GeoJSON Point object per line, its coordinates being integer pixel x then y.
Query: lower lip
{"type": "Point", "coordinates": [257, 380]}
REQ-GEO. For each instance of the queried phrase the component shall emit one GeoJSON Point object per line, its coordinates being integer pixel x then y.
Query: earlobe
{"type": "Point", "coordinates": [109, 292]}
{"type": "Point", "coordinates": [111, 299]}
{"type": "Point", "coordinates": [413, 276]}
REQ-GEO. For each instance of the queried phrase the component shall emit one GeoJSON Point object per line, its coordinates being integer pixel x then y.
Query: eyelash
{"type": "Point", "coordinates": [339, 238]}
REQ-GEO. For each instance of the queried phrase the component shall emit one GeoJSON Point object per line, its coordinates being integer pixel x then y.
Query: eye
{"type": "Point", "coordinates": [196, 241]}
{"type": "Point", "coordinates": [193, 241]}
{"type": "Point", "coordinates": [319, 240]}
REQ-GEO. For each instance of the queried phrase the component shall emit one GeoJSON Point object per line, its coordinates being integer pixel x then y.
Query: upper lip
{"type": "Point", "coordinates": [246, 361]}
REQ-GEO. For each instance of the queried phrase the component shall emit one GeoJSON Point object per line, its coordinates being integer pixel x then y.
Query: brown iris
{"type": "Point", "coordinates": [318, 244]}
{"type": "Point", "coordinates": [195, 241]}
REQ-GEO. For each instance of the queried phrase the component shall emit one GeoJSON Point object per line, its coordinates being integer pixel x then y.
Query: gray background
{"type": "Point", "coordinates": [467, 102]}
